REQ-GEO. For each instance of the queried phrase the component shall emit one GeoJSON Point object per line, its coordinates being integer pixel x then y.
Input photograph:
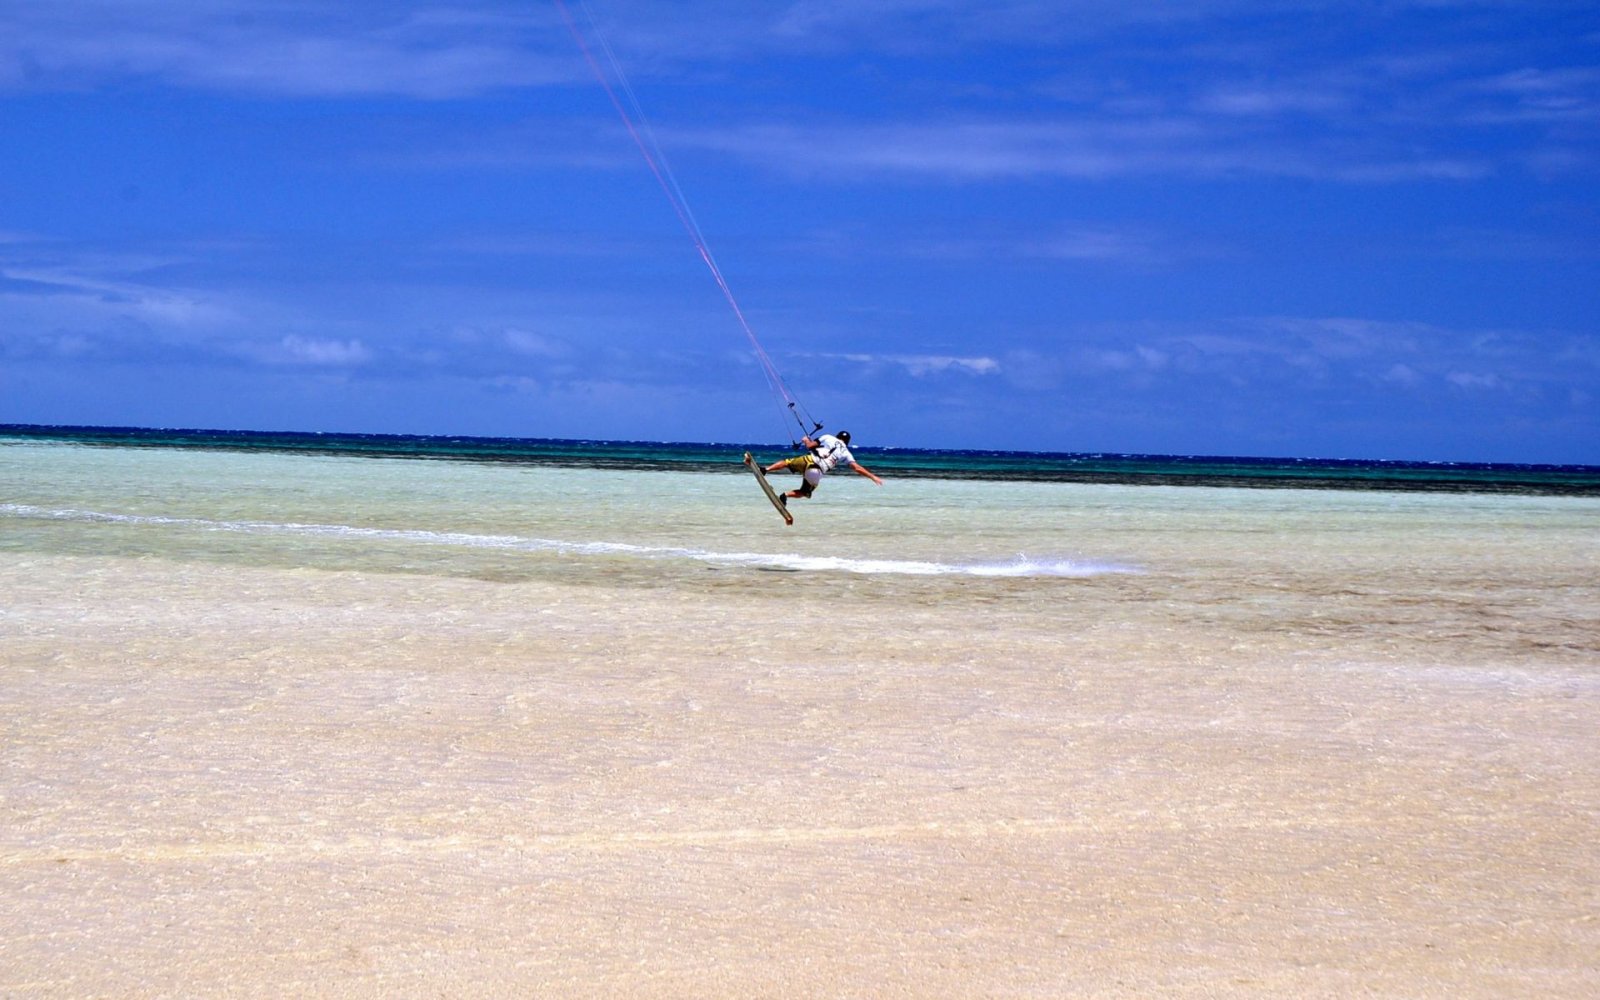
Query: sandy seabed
{"type": "Point", "coordinates": [257, 782]}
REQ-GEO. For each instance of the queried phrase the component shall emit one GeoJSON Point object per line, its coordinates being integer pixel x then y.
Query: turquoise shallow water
{"type": "Point", "coordinates": [985, 465]}
{"type": "Point", "coordinates": [690, 514]}
{"type": "Point", "coordinates": [665, 523]}
{"type": "Point", "coordinates": [464, 517]}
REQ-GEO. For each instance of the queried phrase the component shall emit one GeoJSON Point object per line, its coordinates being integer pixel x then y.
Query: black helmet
{"type": "Point", "coordinates": [844, 436]}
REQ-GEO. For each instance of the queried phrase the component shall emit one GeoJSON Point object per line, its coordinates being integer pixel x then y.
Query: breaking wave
{"type": "Point", "coordinates": [1020, 566]}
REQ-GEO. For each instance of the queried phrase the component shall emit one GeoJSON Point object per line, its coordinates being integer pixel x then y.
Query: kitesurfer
{"type": "Point", "coordinates": [824, 453]}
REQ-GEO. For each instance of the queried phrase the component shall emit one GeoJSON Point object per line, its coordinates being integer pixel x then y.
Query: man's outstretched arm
{"type": "Point", "coordinates": [863, 470]}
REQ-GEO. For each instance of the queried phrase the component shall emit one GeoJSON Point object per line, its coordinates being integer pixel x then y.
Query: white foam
{"type": "Point", "coordinates": [1021, 566]}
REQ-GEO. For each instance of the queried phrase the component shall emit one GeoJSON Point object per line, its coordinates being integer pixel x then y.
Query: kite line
{"type": "Point", "coordinates": [638, 127]}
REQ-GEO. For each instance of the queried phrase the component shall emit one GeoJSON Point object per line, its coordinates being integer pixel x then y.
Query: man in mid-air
{"type": "Point", "coordinates": [824, 453]}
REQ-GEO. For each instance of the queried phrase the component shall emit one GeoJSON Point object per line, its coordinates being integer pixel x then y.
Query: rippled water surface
{"type": "Point", "coordinates": [1494, 572]}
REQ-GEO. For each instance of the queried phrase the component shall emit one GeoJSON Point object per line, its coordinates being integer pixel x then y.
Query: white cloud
{"type": "Point", "coordinates": [922, 365]}
{"type": "Point", "coordinates": [1135, 246]}
{"type": "Point", "coordinates": [1152, 358]}
{"type": "Point", "coordinates": [1533, 94]}
{"type": "Point", "coordinates": [1474, 380]}
{"type": "Point", "coordinates": [1401, 374]}
{"type": "Point", "coordinates": [322, 353]}
{"type": "Point", "coordinates": [536, 345]}
{"type": "Point", "coordinates": [1103, 244]}
{"type": "Point", "coordinates": [1087, 148]}
{"type": "Point", "coordinates": [518, 384]}
{"type": "Point", "coordinates": [1302, 352]}
{"type": "Point", "coordinates": [1257, 100]}
{"type": "Point", "coordinates": [1376, 112]}
{"type": "Point", "coordinates": [1402, 109]}
{"type": "Point", "coordinates": [80, 293]}
{"type": "Point", "coordinates": [943, 25]}
{"type": "Point", "coordinates": [287, 49]}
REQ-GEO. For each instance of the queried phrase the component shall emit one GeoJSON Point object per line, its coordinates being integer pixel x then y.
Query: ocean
{"type": "Point", "coordinates": [374, 716]}
{"type": "Point", "coordinates": [1117, 530]}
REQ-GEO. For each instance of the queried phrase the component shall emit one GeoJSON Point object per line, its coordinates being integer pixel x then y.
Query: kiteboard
{"type": "Point", "coordinates": [766, 487]}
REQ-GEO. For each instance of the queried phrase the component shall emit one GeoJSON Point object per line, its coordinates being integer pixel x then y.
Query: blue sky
{"type": "Point", "coordinates": [1335, 229]}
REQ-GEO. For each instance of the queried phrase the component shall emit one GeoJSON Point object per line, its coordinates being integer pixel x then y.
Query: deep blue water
{"type": "Point", "coordinates": [1171, 470]}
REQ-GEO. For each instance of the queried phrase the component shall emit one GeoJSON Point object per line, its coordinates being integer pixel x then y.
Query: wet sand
{"type": "Point", "coordinates": [258, 782]}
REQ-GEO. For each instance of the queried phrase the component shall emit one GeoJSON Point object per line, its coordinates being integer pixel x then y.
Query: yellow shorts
{"type": "Point", "coordinates": [800, 463]}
